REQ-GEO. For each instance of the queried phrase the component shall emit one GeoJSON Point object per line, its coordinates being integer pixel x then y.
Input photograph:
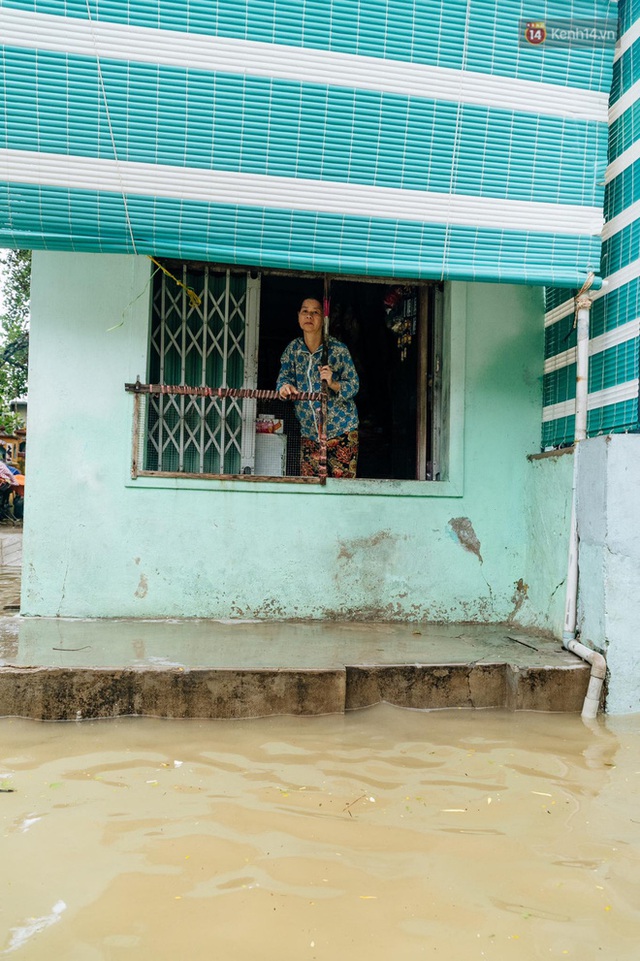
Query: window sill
{"type": "Point", "coordinates": [334, 486]}
{"type": "Point", "coordinates": [547, 454]}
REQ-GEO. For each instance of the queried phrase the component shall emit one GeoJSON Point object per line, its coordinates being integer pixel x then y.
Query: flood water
{"type": "Point", "coordinates": [385, 834]}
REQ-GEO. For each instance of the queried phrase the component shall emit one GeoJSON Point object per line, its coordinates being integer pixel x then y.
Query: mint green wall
{"type": "Point", "coordinates": [98, 544]}
{"type": "Point", "coordinates": [540, 599]}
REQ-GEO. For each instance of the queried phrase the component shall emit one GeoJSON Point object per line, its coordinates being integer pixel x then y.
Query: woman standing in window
{"type": "Point", "coordinates": [301, 369]}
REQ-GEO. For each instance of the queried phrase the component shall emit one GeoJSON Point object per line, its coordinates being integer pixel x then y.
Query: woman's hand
{"type": "Point", "coordinates": [326, 374]}
{"type": "Point", "coordinates": [288, 390]}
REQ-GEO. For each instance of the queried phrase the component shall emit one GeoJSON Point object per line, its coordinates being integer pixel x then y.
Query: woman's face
{"type": "Point", "coordinates": [310, 316]}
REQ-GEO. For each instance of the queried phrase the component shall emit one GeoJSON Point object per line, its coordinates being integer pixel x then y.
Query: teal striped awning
{"type": "Point", "coordinates": [614, 329]}
{"type": "Point", "coordinates": [392, 137]}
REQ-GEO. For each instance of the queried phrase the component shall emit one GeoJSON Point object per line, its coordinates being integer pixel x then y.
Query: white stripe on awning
{"type": "Point", "coordinates": [244, 57]}
{"type": "Point", "coordinates": [558, 313]}
{"type": "Point", "coordinates": [621, 277]}
{"type": "Point", "coordinates": [286, 193]}
{"type": "Point", "coordinates": [621, 220]}
{"type": "Point", "coordinates": [600, 398]}
{"type": "Point", "coordinates": [630, 155]}
{"type": "Point", "coordinates": [619, 335]}
{"type": "Point", "coordinates": [627, 40]}
{"type": "Point", "coordinates": [624, 102]}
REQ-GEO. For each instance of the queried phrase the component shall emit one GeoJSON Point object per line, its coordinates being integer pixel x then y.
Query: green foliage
{"type": "Point", "coordinates": [15, 268]}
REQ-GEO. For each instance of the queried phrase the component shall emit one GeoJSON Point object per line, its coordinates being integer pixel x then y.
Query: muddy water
{"type": "Point", "coordinates": [383, 834]}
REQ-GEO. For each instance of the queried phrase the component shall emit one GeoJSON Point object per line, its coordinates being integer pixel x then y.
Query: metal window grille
{"type": "Point", "coordinates": [210, 344]}
{"type": "Point", "coordinates": [199, 413]}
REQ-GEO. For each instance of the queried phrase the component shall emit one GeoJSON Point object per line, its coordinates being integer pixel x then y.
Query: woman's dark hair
{"type": "Point", "coordinates": [310, 296]}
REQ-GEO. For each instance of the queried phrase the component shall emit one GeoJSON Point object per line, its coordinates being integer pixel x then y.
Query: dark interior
{"type": "Point", "coordinates": [386, 363]}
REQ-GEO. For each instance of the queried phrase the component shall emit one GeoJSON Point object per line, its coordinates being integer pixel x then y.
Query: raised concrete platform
{"type": "Point", "coordinates": [54, 669]}
{"type": "Point", "coordinates": [68, 669]}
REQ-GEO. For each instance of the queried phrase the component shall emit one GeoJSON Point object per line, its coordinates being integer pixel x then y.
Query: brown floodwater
{"type": "Point", "coordinates": [381, 834]}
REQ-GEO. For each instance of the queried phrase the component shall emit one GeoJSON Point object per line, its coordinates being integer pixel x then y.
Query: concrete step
{"type": "Point", "coordinates": [55, 669]}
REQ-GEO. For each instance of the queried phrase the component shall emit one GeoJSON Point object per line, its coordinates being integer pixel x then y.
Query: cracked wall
{"type": "Point", "coordinates": [103, 545]}
{"type": "Point", "coordinates": [547, 512]}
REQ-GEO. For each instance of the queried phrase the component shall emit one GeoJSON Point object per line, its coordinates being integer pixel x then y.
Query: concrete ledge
{"type": "Point", "coordinates": [557, 689]}
{"type": "Point", "coordinates": [67, 694]}
{"type": "Point", "coordinates": [64, 694]}
{"type": "Point", "coordinates": [427, 686]}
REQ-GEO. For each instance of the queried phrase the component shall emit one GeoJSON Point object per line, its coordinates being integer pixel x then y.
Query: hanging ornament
{"type": "Point", "coordinates": [400, 304]}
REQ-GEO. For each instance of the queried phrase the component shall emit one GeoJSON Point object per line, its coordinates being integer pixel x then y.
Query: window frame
{"type": "Point", "coordinates": [449, 318]}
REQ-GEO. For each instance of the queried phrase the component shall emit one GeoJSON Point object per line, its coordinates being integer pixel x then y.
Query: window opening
{"type": "Point", "coordinates": [224, 353]}
{"type": "Point", "coordinates": [390, 337]}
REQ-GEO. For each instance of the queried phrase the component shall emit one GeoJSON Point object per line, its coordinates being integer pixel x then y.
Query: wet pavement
{"type": "Point", "coordinates": [10, 567]}
{"type": "Point", "coordinates": [65, 669]}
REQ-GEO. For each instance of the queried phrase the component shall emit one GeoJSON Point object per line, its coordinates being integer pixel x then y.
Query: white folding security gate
{"type": "Point", "coordinates": [210, 343]}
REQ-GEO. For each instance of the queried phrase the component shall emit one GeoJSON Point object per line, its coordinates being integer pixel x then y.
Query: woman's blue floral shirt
{"type": "Point", "coordinates": [298, 366]}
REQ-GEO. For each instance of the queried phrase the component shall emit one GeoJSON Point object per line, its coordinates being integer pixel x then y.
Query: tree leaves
{"type": "Point", "coordinates": [14, 330]}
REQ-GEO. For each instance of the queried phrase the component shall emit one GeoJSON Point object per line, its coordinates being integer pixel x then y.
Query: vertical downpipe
{"type": "Point", "coordinates": [596, 660]}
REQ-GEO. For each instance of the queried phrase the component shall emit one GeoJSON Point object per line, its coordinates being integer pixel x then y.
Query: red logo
{"type": "Point", "coordinates": [535, 32]}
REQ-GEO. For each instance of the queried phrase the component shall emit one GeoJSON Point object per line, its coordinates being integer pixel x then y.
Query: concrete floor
{"type": "Point", "coordinates": [69, 669]}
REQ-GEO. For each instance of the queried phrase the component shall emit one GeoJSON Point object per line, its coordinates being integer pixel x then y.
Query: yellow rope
{"type": "Point", "coordinates": [582, 298]}
{"type": "Point", "coordinates": [194, 300]}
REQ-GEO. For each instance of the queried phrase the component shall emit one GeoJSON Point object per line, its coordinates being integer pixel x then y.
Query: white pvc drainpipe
{"type": "Point", "coordinates": [596, 660]}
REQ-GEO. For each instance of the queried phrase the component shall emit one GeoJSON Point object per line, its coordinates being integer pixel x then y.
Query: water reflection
{"type": "Point", "coordinates": [386, 833]}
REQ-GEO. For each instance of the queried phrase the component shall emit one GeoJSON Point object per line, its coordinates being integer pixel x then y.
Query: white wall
{"type": "Point", "coordinates": [609, 588]}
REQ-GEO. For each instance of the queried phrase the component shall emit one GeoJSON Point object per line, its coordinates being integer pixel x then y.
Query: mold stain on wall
{"type": "Point", "coordinates": [463, 529]}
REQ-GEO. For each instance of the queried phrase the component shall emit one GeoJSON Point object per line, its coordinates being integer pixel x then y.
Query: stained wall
{"type": "Point", "coordinates": [99, 544]}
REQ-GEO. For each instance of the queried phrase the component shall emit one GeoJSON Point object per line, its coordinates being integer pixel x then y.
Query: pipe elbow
{"type": "Point", "coordinates": [597, 677]}
{"type": "Point", "coordinates": [594, 658]}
